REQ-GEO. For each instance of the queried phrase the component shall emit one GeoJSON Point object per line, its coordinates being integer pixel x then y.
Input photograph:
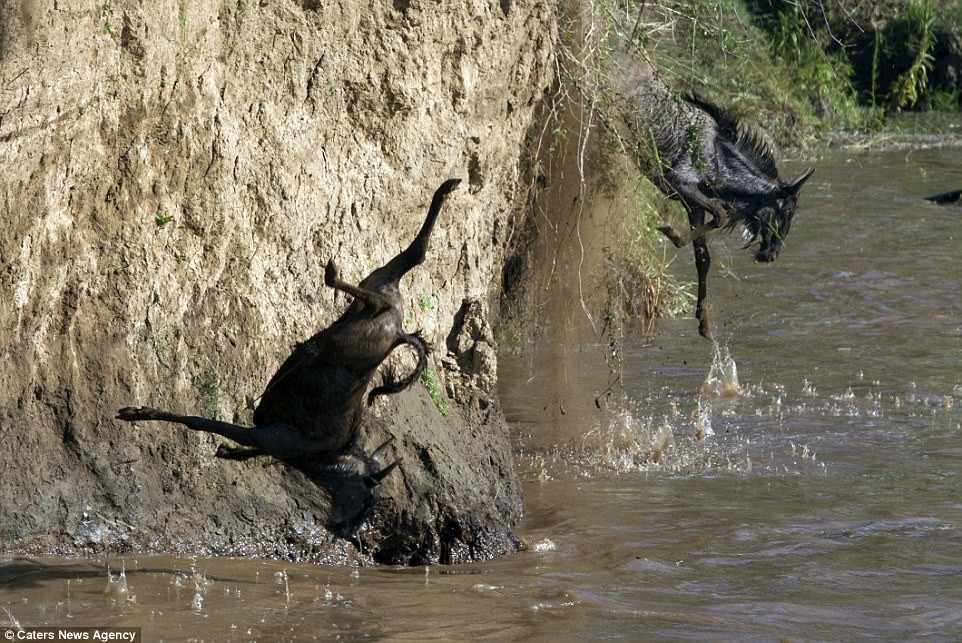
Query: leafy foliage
{"type": "Point", "coordinates": [907, 46]}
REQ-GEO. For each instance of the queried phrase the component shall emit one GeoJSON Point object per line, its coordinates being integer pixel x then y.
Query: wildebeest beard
{"type": "Point", "coordinates": [765, 228]}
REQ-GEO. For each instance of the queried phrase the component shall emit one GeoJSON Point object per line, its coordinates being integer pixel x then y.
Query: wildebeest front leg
{"type": "Point", "coordinates": [702, 264]}
{"type": "Point", "coordinates": [695, 201]}
{"type": "Point", "coordinates": [390, 385]}
{"type": "Point", "coordinates": [696, 218]}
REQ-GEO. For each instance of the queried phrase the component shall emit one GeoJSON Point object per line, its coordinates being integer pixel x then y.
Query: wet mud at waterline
{"type": "Point", "coordinates": [801, 480]}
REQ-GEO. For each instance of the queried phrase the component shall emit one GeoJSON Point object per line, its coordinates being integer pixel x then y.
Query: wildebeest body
{"type": "Point", "coordinates": [309, 414]}
{"type": "Point", "coordinates": [320, 387]}
{"type": "Point", "coordinates": [700, 154]}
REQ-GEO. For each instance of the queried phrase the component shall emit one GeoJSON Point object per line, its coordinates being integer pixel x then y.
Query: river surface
{"type": "Point", "coordinates": [819, 499]}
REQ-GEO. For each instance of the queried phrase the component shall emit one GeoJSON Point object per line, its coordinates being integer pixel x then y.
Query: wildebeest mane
{"type": "Point", "coordinates": [748, 140]}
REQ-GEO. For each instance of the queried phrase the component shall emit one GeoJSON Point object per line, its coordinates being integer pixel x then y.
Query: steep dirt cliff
{"type": "Point", "coordinates": [174, 180]}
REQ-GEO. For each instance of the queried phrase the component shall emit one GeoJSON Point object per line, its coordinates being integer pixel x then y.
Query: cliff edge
{"type": "Point", "coordinates": [175, 180]}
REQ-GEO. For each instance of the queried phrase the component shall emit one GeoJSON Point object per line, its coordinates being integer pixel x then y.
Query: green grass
{"type": "Point", "coordinates": [804, 69]}
{"type": "Point", "coordinates": [437, 395]}
{"type": "Point", "coordinates": [426, 302]}
{"type": "Point", "coordinates": [182, 14]}
{"type": "Point", "coordinates": [208, 384]}
{"type": "Point", "coordinates": [108, 15]}
{"type": "Point", "coordinates": [907, 45]}
{"type": "Point", "coordinates": [161, 219]}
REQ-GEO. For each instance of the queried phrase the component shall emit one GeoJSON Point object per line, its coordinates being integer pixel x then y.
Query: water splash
{"type": "Point", "coordinates": [626, 443]}
{"type": "Point", "coordinates": [631, 441]}
{"type": "Point", "coordinates": [702, 418]}
{"type": "Point", "coordinates": [722, 378]}
{"type": "Point", "coordinates": [117, 589]}
{"type": "Point", "coordinates": [14, 623]}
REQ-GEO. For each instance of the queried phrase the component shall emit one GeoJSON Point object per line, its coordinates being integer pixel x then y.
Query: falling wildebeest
{"type": "Point", "coordinates": [309, 415]}
{"type": "Point", "coordinates": [698, 153]}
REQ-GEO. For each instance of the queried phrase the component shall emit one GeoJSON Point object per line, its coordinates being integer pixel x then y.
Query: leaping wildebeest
{"type": "Point", "coordinates": [309, 415]}
{"type": "Point", "coordinates": [701, 155]}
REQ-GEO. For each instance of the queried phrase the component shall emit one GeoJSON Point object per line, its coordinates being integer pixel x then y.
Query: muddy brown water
{"type": "Point", "coordinates": [823, 501]}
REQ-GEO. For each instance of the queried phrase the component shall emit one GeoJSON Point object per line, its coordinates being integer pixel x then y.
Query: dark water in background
{"type": "Point", "coordinates": [823, 502]}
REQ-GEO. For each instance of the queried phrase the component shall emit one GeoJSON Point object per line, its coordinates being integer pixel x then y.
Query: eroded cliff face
{"type": "Point", "coordinates": [175, 178]}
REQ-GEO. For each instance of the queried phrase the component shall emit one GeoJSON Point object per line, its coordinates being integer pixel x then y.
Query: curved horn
{"type": "Point", "coordinates": [797, 184]}
{"type": "Point", "coordinates": [375, 478]}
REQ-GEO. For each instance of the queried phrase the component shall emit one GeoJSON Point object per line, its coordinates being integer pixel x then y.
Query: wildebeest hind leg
{"type": "Point", "coordinates": [239, 434]}
{"type": "Point", "coordinates": [694, 233]}
{"type": "Point", "coordinates": [414, 254]}
{"type": "Point", "coordinates": [282, 441]}
{"type": "Point", "coordinates": [697, 205]}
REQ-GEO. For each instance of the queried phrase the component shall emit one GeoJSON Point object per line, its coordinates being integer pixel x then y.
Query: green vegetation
{"type": "Point", "coordinates": [183, 29]}
{"type": "Point", "coordinates": [803, 68]}
{"type": "Point", "coordinates": [108, 15]}
{"type": "Point", "coordinates": [161, 219]}
{"type": "Point", "coordinates": [907, 46]}
{"type": "Point", "coordinates": [819, 79]}
{"type": "Point", "coordinates": [437, 395]}
{"type": "Point", "coordinates": [888, 52]}
{"type": "Point", "coordinates": [762, 65]}
{"type": "Point", "coordinates": [426, 302]}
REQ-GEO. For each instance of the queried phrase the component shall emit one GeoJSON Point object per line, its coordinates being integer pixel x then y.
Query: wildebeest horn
{"type": "Point", "coordinates": [797, 184]}
{"type": "Point", "coordinates": [375, 478]}
{"type": "Point", "coordinates": [381, 450]}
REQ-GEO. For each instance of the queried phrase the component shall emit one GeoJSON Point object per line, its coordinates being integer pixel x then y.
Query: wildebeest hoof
{"type": "Point", "coordinates": [376, 469]}
{"type": "Point", "coordinates": [673, 236]}
{"type": "Point", "coordinates": [719, 215]}
{"type": "Point", "coordinates": [331, 273]}
{"type": "Point", "coordinates": [704, 329]}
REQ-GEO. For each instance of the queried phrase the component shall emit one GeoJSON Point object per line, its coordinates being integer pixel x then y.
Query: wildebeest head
{"type": "Point", "coordinates": [769, 224]}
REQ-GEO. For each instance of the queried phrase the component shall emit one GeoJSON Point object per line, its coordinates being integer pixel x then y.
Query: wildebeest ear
{"type": "Point", "coordinates": [796, 185]}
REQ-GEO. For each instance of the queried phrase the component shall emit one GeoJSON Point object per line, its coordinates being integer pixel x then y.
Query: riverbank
{"type": "Point", "coordinates": [805, 70]}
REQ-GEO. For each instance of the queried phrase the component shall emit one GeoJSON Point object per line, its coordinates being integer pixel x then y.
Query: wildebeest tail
{"type": "Point", "coordinates": [390, 384]}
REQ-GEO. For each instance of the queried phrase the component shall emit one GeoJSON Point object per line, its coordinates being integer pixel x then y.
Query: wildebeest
{"type": "Point", "coordinates": [700, 154]}
{"type": "Point", "coordinates": [945, 197]}
{"type": "Point", "coordinates": [309, 415]}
